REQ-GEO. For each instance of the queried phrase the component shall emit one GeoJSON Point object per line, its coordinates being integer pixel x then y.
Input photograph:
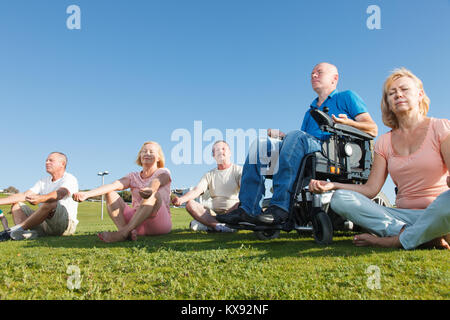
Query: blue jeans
{"type": "Point", "coordinates": [281, 159]}
{"type": "Point", "coordinates": [421, 226]}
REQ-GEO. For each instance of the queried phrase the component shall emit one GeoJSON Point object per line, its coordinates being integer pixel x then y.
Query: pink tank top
{"type": "Point", "coordinates": [136, 183]}
{"type": "Point", "coordinates": [421, 176]}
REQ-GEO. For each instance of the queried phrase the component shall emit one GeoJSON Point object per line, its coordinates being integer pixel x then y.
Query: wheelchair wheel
{"type": "Point", "coordinates": [382, 200]}
{"type": "Point", "coordinates": [267, 234]}
{"type": "Point", "coordinates": [322, 228]}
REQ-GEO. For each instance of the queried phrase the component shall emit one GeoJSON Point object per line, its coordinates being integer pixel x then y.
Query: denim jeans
{"type": "Point", "coordinates": [421, 226]}
{"type": "Point", "coordinates": [280, 158]}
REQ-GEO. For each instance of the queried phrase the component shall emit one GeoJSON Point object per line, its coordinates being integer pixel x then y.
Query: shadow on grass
{"type": "Point", "coordinates": [183, 240]}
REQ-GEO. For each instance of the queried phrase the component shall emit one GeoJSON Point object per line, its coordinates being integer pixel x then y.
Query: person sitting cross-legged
{"type": "Point", "coordinates": [150, 189]}
{"type": "Point", "coordinates": [416, 153]}
{"type": "Point", "coordinates": [57, 212]}
{"type": "Point", "coordinates": [223, 184]}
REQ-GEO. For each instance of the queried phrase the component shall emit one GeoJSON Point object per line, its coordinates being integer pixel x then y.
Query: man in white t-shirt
{"type": "Point", "coordinates": [223, 184]}
{"type": "Point", "coordinates": [57, 212]}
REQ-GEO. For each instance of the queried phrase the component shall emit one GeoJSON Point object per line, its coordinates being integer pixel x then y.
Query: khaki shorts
{"type": "Point", "coordinates": [58, 225]}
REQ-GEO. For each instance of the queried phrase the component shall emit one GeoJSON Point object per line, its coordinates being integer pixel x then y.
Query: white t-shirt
{"type": "Point", "coordinates": [69, 182]}
{"type": "Point", "coordinates": [223, 186]}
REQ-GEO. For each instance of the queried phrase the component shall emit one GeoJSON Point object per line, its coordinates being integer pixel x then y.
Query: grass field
{"type": "Point", "coordinates": [198, 265]}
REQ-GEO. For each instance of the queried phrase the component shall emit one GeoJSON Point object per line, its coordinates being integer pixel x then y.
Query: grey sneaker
{"type": "Point", "coordinates": [221, 227]}
{"type": "Point", "coordinates": [30, 235]}
{"type": "Point", "coordinates": [23, 234]}
{"type": "Point", "coordinates": [197, 226]}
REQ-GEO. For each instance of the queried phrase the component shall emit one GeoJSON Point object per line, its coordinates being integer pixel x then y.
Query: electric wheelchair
{"type": "Point", "coordinates": [345, 157]}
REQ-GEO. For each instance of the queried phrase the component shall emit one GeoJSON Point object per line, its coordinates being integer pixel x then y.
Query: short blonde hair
{"type": "Point", "coordinates": [389, 118]}
{"type": "Point", "coordinates": [161, 161]}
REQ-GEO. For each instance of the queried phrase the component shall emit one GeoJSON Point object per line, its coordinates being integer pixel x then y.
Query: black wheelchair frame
{"type": "Point", "coordinates": [345, 157]}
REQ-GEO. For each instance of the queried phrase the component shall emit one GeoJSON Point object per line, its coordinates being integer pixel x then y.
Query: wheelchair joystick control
{"type": "Point", "coordinates": [326, 109]}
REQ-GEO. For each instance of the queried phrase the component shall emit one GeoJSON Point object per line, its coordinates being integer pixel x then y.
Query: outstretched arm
{"type": "Point", "coordinates": [192, 194]}
{"type": "Point", "coordinates": [50, 197]}
{"type": "Point", "coordinates": [370, 189]}
{"type": "Point", "coordinates": [19, 197]}
{"type": "Point", "coordinates": [121, 184]}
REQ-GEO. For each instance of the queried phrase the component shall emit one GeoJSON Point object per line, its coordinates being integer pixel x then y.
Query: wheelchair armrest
{"type": "Point", "coordinates": [352, 131]}
{"type": "Point", "coordinates": [327, 124]}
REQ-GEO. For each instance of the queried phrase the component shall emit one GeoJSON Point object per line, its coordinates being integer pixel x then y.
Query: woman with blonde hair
{"type": "Point", "coordinates": [416, 153]}
{"type": "Point", "coordinates": [150, 189]}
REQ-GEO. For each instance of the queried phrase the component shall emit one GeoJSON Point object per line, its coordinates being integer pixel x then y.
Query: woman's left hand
{"type": "Point", "coordinates": [318, 186]}
{"type": "Point", "coordinates": [145, 193]}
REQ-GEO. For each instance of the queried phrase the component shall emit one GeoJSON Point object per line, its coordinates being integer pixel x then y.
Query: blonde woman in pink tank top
{"type": "Point", "coordinates": [416, 153]}
{"type": "Point", "coordinates": [150, 189]}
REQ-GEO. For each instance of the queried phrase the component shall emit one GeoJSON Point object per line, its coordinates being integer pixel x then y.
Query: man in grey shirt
{"type": "Point", "coordinates": [223, 184]}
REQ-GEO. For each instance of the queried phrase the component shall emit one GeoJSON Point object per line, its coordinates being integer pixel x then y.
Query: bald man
{"type": "Point", "coordinates": [57, 212]}
{"type": "Point", "coordinates": [281, 154]}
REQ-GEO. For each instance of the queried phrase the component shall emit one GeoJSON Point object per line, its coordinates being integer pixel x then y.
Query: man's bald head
{"type": "Point", "coordinates": [328, 66]}
{"type": "Point", "coordinates": [324, 78]}
{"type": "Point", "coordinates": [61, 156]}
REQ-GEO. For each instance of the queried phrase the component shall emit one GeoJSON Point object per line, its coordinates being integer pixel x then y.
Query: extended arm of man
{"type": "Point", "coordinates": [49, 197]}
{"type": "Point", "coordinates": [370, 189]}
{"type": "Point", "coordinates": [364, 122]}
{"type": "Point", "coordinates": [192, 194]}
{"type": "Point", "coordinates": [121, 184]}
{"type": "Point", "coordinates": [15, 198]}
{"type": "Point", "coordinates": [33, 198]}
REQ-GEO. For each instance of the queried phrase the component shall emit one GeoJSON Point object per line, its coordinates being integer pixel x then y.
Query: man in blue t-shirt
{"type": "Point", "coordinates": [281, 154]}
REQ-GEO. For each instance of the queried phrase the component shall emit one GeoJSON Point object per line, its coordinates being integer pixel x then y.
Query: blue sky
{"type": "Point", "coordinates": [138, 70]}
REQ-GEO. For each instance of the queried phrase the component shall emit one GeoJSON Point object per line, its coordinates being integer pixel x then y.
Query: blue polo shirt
{"type": "Point", "coordinates": [347, 102]}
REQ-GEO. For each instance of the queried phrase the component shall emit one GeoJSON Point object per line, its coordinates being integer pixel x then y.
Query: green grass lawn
{"type": "Point", "coordinates": [197, 265]}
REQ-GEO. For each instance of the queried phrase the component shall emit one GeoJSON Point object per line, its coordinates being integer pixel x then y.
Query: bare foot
{"type": "Point", "coordinates": [112, 236]}
{"type": "Point", "coordinates": [132, 236]}
{"type": "Point", "coordinates": [438, 243]}
{"type": "Point", "coordinates": [366, 239]}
